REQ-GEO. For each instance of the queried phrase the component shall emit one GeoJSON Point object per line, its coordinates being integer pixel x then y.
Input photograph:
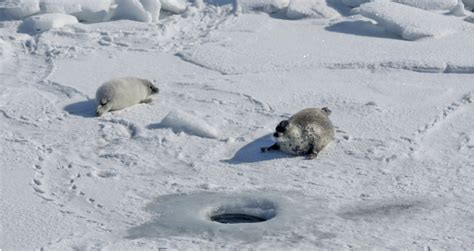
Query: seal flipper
{"type": "Point", "coordinates": [272, 147]}
{"type": "Point", "coordinates": [312, 153]}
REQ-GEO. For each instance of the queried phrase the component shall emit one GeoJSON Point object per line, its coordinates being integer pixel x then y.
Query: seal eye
{"type": "Point", "coordinates": [282, 126]}
{"type": "Point", "coordinates": [153, 88]}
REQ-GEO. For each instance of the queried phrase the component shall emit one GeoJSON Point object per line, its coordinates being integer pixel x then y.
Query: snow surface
{"type": "Point", "coordinates": [268, 6]}
{"type": "Point", "coordinates": [20, 10]}
{"type": "Point", "coordinates": [180, 121]}
{"type": "Point", "coordinates": [44, 22]}
{"type": "Point", "coordinates": [397, 176]}
{"type": "Point", "coordinates": [84, 10]}
{"type": "Point", "coordinates": [411, 23]}
{"type": "Point", "coordinates": [422, 4]}
{"type": "Point", "coordinates": [310, 8]}
{"type": "Point", "coordinates": [174, 6]}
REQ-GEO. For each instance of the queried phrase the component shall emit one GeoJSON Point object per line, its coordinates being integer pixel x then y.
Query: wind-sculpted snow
{"type": "Point", "coordinates": [44, 22]}
{"type": "Point", "coordinates": [411, 23]}
{"type": "Point", "coordinates": [180, 121]}
{"type": "Point", "coordinates": [421, 4]}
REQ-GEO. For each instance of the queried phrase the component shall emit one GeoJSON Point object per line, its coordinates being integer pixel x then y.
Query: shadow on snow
{"type": "Point", "coordinates": [251, 153]}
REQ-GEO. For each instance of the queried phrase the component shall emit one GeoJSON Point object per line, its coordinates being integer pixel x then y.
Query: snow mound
{"type": "Point", "coordinates": [268, 6]}
{"type": "Point", "coordinates": [411, 23]}
{"type": "Point", "coordinates": [24, 9]}
{"type": "Point", "coordinates": [180, 121]}
{"type": "Point", "coordinates": [84, 10]}
{"type": "Point", "coordinates": [421, 4]}
{"type": "Point", "coordinates": [310, 8]}
{"type": "Point", "coordinates": [430, 4]}
{"type": "Point", "coordinates": [44, 22]}
{"type": "Point", "coordinates": [174, 6]}
{"type": "Point", "coordinates": [132, 10]}
{"type": "Point", "coordinates": [459, 10]}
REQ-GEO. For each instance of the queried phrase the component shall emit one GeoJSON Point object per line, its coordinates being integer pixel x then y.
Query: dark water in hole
{"type": "Point", "coordinates": [236, 218]}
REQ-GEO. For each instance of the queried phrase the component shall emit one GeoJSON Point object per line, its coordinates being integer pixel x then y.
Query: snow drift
{"type": "Point", "coordinates": [44, 22]}
{"type": "Point", "coordinates": [180, 121]}
{"type": "Point", "coordinates": [310, 8]}
{"type": "Point", "coordinates": [421, 4]}
{"type": "Point", "coordinates": [411, 23]}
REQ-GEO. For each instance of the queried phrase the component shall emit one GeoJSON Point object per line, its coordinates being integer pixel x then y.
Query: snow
{"type": "Point", "coordinates": [174, 6]}
{"type": "Point", "coordinates": [22, 10]}
{"type": "Point", "coordinates": [422, 4]}
{"type": "Point", "coordinates": [411, 23]}
{"type": "Point", "coordinates": [131, 10]}
{"type": "Point", "coordinates": [268, 6]}
{"type": "Point", "coordinates": [84, 10]}
{"type": "Point", "coordinates": [180, 121]}
{"type": "Point", "coordinates": [310, 8]}
{"type": "Point", "coordinates": [44, 22]}
{"type": "Point", "coordinates": [397, 176]}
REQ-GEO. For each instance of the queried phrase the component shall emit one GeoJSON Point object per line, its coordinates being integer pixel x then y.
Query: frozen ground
{"type": "Point", "coordinates": [398, 175]}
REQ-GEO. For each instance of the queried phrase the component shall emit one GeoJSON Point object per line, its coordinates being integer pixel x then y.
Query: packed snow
{"type": "Point", "coordinates": [421, 4]}
{"type": "Point", "coordinates": [398, 174]}
{"type": "Point", "coordinates": [180, 121]}
{"type": "Point", "coordinates": [44, 22]}
{"type": "Point", "coordinates": [310, 8]}
{"type": "Point", "coordinates": [412, 23]}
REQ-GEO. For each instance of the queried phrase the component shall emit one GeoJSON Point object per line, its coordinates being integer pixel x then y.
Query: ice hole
{"type": "Point", "coordinates": [249, 211]}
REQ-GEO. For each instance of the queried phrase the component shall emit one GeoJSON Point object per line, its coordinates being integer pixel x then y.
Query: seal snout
{"type": "Point", "coordinates": [154, 89]}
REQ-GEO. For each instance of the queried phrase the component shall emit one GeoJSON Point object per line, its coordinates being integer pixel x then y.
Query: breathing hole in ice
{"type": "Point", "coordinates": [248, 211]}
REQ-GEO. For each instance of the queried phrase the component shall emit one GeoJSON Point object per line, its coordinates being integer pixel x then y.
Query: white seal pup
{"type": "Point", "coordinates": [120, 93]}
{"type": "Point", "coordinates": [305, 133]}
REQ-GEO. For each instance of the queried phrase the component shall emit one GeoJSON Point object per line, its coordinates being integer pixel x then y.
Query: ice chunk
{"type": "Point", "coordinates": [180, 121]}
{"type": "Point", "coordinates": [44, 22]}
{"type": "Point", "coordinates": [430, 4]}
{"type": "Point", "coordinates": [412, 23]}
{"type": "Point", "coordinates": [268, 6]}
{"type": "Point", "coordinates": [22, 10]}
{"type": "Point", "coordinates": [459, 10]}
{"type": "Point", "coordinates": [153, 7]}
{"type": "Point", "coordinates": [174, 6]}
{"type": "Point", "coordinates": [354, 3]}
{"type": "Point", "coordinates": [132, 10]}
{"type": "Point", "coordinates": [421, 4]}
{"type": "Point", "coordinates": [310, 8]}
{"type": "Point", "coordinates": [84, 10]}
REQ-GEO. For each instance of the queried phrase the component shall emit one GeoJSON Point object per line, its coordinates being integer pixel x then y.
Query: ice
{"type": "Point", "coordinates": [412, 23]}
{"type": "Point", "coordinates": [24, 9]}
{"type": "Point", "coordinates": [174, 6]}
{"type": "Point", "coordinates": [469, 4]}
{"type": "Point", "coordinates": [44, 22]}
{"type": "Point", "coordinates": [180, 121]}
{"type": "Point", "coordinates": [268, 6]}
{"type": "Point", "coordinates": [153, 7]}
{"type": "Point", "coordinates": [430, 4]}
{"type": "Point", "coordinates": [354, 3]}
{"type": "Point", "coordinates": [132, 10]}
{"type": "Point", "coordinates": [459, 10]}
{"type": "Point", "coordinates": [421, 4]}
{"type": "Point", "coordinates": [310, 8]}
{"type": "Point", "coordinates": [84, 10]}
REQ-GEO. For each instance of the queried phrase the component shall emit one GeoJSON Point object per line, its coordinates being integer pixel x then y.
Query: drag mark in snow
{"type": "Point", "coordinates": [442, 118]}
{"type": "Point", "coordinates": [404, 65]}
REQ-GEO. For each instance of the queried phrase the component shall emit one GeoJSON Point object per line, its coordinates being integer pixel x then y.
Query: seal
{"type": "Point", "coordinates": [305, 133]}
{"type": "Point", "coordinates": [120, 93]}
